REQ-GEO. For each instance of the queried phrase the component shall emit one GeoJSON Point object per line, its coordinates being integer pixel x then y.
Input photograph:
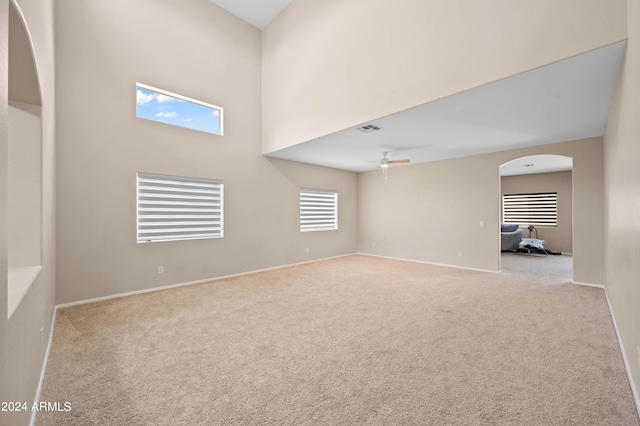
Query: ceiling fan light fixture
{"type": "Point", "coordinates": [385, 163]}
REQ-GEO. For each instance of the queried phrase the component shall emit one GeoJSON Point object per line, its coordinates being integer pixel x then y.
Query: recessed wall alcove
{"type": "Point", "coordinates": [24, 213]}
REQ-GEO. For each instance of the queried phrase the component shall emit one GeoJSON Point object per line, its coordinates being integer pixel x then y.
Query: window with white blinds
{"type": "Point", "coordinates": [539, 209]}
{"type": "Point", "coordinates": [179, 208]}
{"type": "Point", "coordinates": [318, 210]}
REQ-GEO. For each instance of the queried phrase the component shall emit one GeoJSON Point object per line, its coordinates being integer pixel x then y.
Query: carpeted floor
{"type": "Point", "coordinates": [347, 341]}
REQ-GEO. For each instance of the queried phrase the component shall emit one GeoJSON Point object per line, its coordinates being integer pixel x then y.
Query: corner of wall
{"type": "Point", "coordinates": [622, 202]}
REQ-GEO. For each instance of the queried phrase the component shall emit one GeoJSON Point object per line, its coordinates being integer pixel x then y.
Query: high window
{"type": "Point", "coordinates": [170, 108]}
{"type": "Point", "coordinates": [539, 209]}
{"type": "Point", "coordinates": [318, 210]}
{"type": "Point", "coordinates": [179, 208]}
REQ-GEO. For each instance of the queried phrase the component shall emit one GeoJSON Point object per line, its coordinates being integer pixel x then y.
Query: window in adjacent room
{"type": "Point", "coordinates": [178, 208]}
{"type": "Point", "coordinates": [318, 210]}
{"type": "Point", "coordinates": [539, 209]}
{"type": "Point", "coordinates": [170, 108]}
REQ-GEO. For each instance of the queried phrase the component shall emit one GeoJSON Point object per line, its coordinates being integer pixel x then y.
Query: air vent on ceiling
{"type": "Point", "coordinates": [368, 128]}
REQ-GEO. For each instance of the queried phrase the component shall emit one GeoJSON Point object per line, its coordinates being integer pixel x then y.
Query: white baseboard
{"type": "Point", "coordinates": [588, 284]}
{"type": "Point", "coordinates": [431, 263]}
{"type": "Point", "coordinates": [205, 280]}
{"type": "Point", "coordinates": [634, 388]}
{"type": "Point", "coordinates": [32, 422]}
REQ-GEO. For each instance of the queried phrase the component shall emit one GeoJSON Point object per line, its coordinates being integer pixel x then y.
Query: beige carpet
{"type": "Point", "coordinates": [348, 341]}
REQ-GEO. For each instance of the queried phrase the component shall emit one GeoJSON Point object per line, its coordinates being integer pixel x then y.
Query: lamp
{"type": "Point", "coordinates": [532, 228]}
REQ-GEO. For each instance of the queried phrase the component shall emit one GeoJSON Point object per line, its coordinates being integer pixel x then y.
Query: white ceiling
{"type": "Point", "coordinates": [563, 101]}
{"type": "Point", "coordinates": [258, 13]}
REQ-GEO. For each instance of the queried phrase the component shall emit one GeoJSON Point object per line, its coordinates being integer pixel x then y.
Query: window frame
{"type": "Point", "coordinates": [193, 192]}
{"type": "Point", "coordinates": [539, 209]}
{"type": "Point", "coordinates": [186, 99]}
{"type": "Point", "coordinates": [304, 223]}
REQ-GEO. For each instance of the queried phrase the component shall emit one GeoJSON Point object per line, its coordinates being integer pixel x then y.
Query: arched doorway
{"type": "Point", "coordinates": [523, 183]}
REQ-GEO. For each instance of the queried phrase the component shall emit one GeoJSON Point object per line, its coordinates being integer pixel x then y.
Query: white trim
{"type": "Point", "coordinates": [634, 389]}
{"type": "Point", "coordinates": [32, 422]}
{"type": "Point", "coordinates": [588, 284]}
{"type": "Point", "coordinates": [206, 280]}
{"type": "Point", "coordinates": [432, 263]}
{"type": "Point", "coordinates": [19, 281]}
{"type": "Point", "coordinates": [177, 96]}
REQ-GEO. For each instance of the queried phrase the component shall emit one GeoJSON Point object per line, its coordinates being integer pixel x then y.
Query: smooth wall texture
{"type": "Point", "coordinates": [622, 188]}
{"type": "Point", "coordinates": [433, 211]}
{"type": "Point", "coordinates": [28, 330]}
{"type": "Point", "coordinates": [556, 238]}
{"type": "Point", "coordinates": [335, 64]}
{"type": "Point", "coordinates": [4, 177]}
{"type": "Point", "coordinates": [198, 50]}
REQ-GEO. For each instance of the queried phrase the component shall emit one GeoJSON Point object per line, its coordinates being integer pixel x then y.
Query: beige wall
{"type": "Point", "coordinates": [27, 332]}
{"type": "Point", "coordinates": [556, 238]}
{"type": "Point", "coordinates": [432, 211]}
{"type": "Point", "coordinates": [195, 49]}
{"type": "Point", "coordinates": [622, 183]}
{"type": "Point", "coordinates": [4, 174]}
{"type": "Point", "coordinates": [329, 65]}
{"type": "Point", "coordinates": [324, 68]}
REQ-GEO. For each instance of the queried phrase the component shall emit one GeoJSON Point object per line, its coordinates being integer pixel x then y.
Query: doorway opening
{"type": "Point", "coordinates": [536, 194]}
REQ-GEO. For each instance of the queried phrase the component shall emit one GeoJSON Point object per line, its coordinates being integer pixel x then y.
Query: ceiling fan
{"type": "Point", "coordinates": [385, 163]}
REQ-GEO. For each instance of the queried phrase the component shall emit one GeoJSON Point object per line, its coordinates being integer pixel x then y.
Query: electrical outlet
{"type": "Point", "coordinates": [459, 254]}
{"type": "Point", "coordinates": [373, 245]}
{"type": "Point", "coordinates": [482, 224]}
{"type": "Point", "coordinates": [306, 250]}
{"type": "Point", "coordinates": [161, 269]}
{"type": "Point", "coordinates": [42, 335]}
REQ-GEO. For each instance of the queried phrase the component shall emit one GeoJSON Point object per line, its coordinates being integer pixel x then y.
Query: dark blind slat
{"type": "Point", "coordinates": [539, 209]}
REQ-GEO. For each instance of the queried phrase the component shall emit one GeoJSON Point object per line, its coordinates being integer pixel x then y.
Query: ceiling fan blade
{"type": "Point", "coordinates": [399, 161]}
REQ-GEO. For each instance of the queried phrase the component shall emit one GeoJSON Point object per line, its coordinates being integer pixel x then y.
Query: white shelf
{"type": "Point", "coordinates": [20, 280]}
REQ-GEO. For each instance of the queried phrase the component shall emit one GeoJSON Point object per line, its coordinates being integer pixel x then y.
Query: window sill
{"type": "Point", "coordinates": [20, 280]}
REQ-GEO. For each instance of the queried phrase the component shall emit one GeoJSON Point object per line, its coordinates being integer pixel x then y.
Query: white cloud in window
{"type": "Point", "coordinates": [171, 114]}
{"type": "Point", "coordinates": [188, 119]}
{"type": "Point", "coordinates": [162, 99]}
{"type": "Point", "coordinates": [215, 113]}
{"type": "Point", "coordinates": [143, 98]}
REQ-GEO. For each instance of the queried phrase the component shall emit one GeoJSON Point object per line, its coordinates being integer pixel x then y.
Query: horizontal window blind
{"type": "Point", "coordinates": [539, 209]}
{"type": "Point", "coordinates": [318, 210]}
{"type": "Point", "coordinates": [179, 208]}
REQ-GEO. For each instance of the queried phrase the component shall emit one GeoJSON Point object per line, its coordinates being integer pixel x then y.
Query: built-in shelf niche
{"type": "Point", "coordinates": [24, 180]}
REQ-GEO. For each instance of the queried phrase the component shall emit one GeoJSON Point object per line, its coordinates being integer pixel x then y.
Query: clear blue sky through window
{"type": "Point", "coordinates": [166, 107]}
